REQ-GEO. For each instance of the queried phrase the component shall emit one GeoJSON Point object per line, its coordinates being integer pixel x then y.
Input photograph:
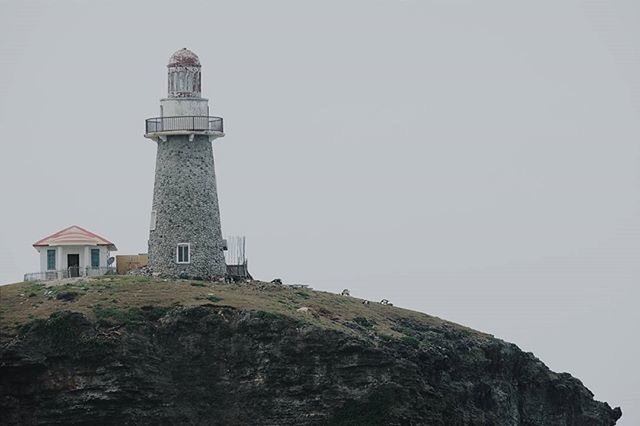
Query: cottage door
{"type": "Point", "coordinates": [73, 263]}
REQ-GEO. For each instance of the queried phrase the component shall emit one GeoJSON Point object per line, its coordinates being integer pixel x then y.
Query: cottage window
{"type": "Point", "coordinates": [51, 260]}
{"type": "Point", "coordinates": [95, 258]}
{"type": "Point", "coordinates": [183, 254]}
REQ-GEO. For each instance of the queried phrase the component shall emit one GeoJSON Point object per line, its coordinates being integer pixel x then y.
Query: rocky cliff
{"type": "Point", "coordinates": [157, 352]}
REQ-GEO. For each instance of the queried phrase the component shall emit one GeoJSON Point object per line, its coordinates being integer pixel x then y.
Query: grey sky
{"type": "Point", "coordinates": [479, 161]}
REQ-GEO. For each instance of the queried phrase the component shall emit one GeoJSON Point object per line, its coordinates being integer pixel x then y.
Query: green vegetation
{"type": "Point", "coordinates": [303, 294]}
{"type": "Point", "coordinates": [68, 296]}
{"type": "Point", "coordinates": [272, 315]}
{"type": "Point", "coordinates": [132, 299]}
{"type": "Point", "coordinates": [411, 341]}
{"type": "Point", "coordinates": [118, 315]}
{"type": "Point", "coordinates": [363, 322]}
{"type": "Point", "coordinates": [128, 315]}
{"type": "Point", "coordinates": [57, 328]}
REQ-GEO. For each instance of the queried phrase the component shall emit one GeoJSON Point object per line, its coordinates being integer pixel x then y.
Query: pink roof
{"type": "Point", "coordinates": [74, 236]}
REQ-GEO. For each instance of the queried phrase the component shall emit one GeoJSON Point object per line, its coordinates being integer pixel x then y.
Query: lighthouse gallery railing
{"type": "Point", "coordinates": [185, 123]}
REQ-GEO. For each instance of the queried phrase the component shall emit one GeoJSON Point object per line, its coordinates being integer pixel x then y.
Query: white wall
{"type": "Point", "coordinates": [172, 107]}
{"type": "Point", "coordinates": [63, 251]}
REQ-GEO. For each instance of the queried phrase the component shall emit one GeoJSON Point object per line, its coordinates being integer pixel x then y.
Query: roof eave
{"type": "Point", "coordinates": [110, 246]}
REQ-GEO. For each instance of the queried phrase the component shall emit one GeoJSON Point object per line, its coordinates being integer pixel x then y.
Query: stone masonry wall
{"type": "Point", "coordinates": [185, 200]}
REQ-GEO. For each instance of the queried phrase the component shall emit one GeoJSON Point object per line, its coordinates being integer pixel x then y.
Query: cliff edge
{"type": "Point", "coordinates": [137, 350]}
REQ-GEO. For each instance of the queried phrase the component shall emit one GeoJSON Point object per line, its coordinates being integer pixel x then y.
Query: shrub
{"type": "Point", "coordinates": [154, 312]}
{"type": "Point", "coordinates": [303, 294]}
{"type": "Point", "coordinates": [271, 315]}
{"type": "Point", "coordinates": [67, 296]}
{"type": "Point", "coordinates": [118, 315]}
{"type": "Point", "coordinates": [411, 341]}
{"type": "Point", "coordinates": [61, 330]}
{"type": "Point", "coordinates": [364, 322]}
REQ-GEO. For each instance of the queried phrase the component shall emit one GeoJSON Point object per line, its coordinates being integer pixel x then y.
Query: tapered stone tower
{"type": "Point", "coordinates": [185, 238]}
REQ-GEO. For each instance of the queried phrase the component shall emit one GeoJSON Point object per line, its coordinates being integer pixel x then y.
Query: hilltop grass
{"type": "Point", "coordinates": [129, 299]}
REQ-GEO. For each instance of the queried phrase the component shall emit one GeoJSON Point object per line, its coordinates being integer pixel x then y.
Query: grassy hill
{"type": "Point", "coordinates": [125, 298]}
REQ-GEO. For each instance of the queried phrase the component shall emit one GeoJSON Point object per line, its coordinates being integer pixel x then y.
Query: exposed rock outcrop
{"type": "Point", "coordinates": [220, 365]}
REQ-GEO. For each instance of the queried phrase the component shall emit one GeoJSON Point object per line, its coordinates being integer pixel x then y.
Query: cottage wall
{"type": "Point", "coordinates": [63, 251]}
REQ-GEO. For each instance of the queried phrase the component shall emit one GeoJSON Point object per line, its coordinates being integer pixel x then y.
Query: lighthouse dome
{"type": "Point", "coordinates": [184, 58]}
{"type": "Point", "coordinates": [184, 74]}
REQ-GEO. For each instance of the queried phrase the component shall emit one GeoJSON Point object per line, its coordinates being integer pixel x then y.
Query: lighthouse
{"type": "Point", "coordinates": [185, 237]}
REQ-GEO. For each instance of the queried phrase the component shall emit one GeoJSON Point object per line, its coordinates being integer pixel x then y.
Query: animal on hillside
{"type": "Point", "coordinates": [345, 292]}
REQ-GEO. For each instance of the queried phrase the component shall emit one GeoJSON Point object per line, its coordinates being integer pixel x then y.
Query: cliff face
{"type": "Point", "coordinates": [212, 364]}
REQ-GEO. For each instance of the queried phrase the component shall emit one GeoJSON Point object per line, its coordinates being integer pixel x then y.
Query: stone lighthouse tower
{"type": "Point", "coordinates": [185, 238]}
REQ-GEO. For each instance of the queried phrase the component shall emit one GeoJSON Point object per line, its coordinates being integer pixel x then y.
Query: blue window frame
{"type": "Point", "coordinates": [51, 259]}
{"type": "Point", "coordinates": [95, 258]}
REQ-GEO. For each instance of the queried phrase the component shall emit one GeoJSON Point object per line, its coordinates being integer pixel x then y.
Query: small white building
{"type": "Point", "coordinates": [72, 252]}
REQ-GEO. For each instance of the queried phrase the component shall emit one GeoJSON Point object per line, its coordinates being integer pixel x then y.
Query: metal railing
{"type": "Point", "coordinates": [70, 273]}
{"type": "Point", "coordinates": [185, 123]}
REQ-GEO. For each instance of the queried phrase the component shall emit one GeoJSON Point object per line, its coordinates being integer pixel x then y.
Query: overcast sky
{"type": "Point", "coordinates": [475, 160]}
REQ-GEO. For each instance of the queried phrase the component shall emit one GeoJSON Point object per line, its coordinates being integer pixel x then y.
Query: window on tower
{"type": "Point", "coordinates": [183, 253]}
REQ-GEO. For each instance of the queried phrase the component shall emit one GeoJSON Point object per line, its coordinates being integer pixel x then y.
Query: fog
{"type": "Point", "coordinates": [477, 161]}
